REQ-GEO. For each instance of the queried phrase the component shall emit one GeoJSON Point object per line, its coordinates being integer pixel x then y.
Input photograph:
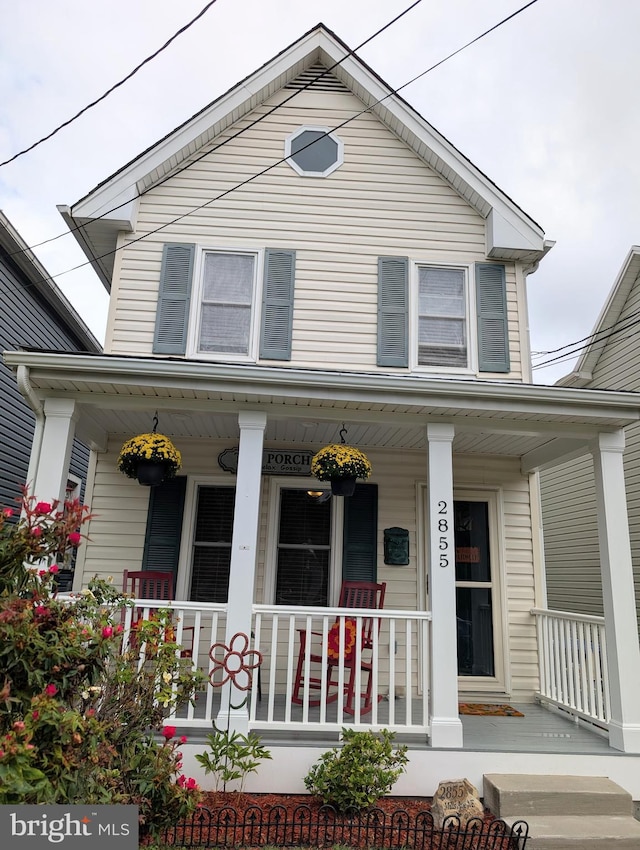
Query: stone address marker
{"type": "Point", "coordinates": [456, 797]}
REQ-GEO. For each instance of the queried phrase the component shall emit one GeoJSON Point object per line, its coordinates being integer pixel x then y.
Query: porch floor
{"type": "Point", "coordinates": [541, 730]}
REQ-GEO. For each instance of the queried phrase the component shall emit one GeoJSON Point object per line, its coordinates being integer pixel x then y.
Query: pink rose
{"type": "Point", "coordinates": [74, 538]}
{"type": "Point", "coordinates": [18, 726]}
{"type": "Point", "coordinates": [43, 508]}
{"type": "Point", "coordinates": [181, 781]}
{"type": "Point", "coordinates": [36, 532]}
{"type": "Point", "coordinates": [183, 739]}
{"type": "Point", "coordinates": [8, 512]}
{"type": "Point", "coordinates": [54, 568]}
{"type": "Point", "coordinates": [107, 631]}
{"type": "Point", "coordinates": [51, 690]}
{"type": "Point", "coordinates": [42, 573]}
{"type": "Point", "coordinates": [169, 732]}
{"type": "Point", "coordinates": [191, 783]}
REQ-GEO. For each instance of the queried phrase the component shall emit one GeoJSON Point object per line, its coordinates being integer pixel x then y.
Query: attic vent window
{"type": "Point", "coordinates": [314, 151]}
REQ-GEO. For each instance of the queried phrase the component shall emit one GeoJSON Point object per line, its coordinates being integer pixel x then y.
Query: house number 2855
{"type": "Point", "coordinates": [443, 528]}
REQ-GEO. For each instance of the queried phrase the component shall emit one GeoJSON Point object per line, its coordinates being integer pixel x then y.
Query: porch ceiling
{"type": "Point", "coordinates": [118, 395]}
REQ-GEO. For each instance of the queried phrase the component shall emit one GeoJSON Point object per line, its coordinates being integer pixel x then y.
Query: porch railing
{"type": "Point", "coordinates": [397, 665]}
{"type": "Point", "coordinates": [573, 664]}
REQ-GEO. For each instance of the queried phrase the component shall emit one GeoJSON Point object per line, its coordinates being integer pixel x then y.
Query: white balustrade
{"type": "Point", "coordinates": [573, 664]}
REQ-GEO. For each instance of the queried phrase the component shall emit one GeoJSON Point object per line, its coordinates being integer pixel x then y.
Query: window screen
{"type": "Point", "coordinates": [212, 544]}
{"type": "Point", "coordinates": [227, 299]}
{"type": "Point", "coordinates": [304, 536]}
{"type": "Point", "coordinates": [442, 327]}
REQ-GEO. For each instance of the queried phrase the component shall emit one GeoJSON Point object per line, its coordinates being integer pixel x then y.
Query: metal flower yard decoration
{"type": "Point", "coordinates": [234, 664]}
{"type": "Point", "coordinates": [151, 458]}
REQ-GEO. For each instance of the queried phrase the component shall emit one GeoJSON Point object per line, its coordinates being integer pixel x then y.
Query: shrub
{"type": "Point", "coordinates": [81, 719]}
{"type": "Point", "coordinates": [356, 775]}
{"type": "Point", "coordinates": [233, 756]}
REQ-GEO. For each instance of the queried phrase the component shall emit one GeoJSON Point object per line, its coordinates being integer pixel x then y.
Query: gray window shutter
{"type": "Point", "coordinates": [172, 316]}
{"type": "Point", "coordinates": [277, 304]}
{"type": "Point", "coordinates": [493, 327]}
{"type": "Point", "coordinates": [393, 311]}
{"type": "Point", "coordinates": [360, 540]}
{"type": "Point", "coordinates": [164, 526]}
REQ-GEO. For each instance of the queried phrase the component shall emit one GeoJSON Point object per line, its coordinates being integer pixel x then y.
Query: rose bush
{"type": "Point", "coordinates": [80, 719]}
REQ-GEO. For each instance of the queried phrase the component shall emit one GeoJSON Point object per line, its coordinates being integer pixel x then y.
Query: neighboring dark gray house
{"type": "Point", "coordinates": [33, 314]}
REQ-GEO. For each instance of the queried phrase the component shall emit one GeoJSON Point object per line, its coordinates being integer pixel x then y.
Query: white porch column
{"type": "Point", "coordinates": [244, 544]}
{"type": "Point", "coordinates": [621, 631]}
{"type": "Point", "coordinates": [50, 476]}
{"type": "Point", "coordinates": [446, 726]}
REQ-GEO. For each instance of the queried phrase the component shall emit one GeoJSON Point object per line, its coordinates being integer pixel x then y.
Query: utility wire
{"type": "Point", "coordinates": [586, 339]}
{"type": "Point", "coordinates": [235, 135]}
{"type": "Point", "coordinates": [112, 89]}
{"type": "Point", "coordinates": [597, 340]}
{"type": "Point", "coordinates": [284, 159]}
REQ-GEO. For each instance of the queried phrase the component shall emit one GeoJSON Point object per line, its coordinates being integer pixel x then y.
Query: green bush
{"type": "Point", "coordinates": [357, 774]}
{"type": "Point", "coordinates": [233, 756]}
{"type": "Point", "coordinates": [81, 719]}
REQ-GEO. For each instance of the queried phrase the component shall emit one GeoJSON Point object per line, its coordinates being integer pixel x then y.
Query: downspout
{"type": "Point", "coordinates": [26, 389]}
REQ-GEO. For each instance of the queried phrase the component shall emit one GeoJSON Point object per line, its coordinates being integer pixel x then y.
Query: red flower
{"type": "Point", "coordinates": [191, 783]}
{"type": "Point", "coordinates": [35, 715]}
{"type": "Point", "coordinates": [169, 732]}
{"type": "Point", "coordinates": [42, 573]}
{"type": "Point", "coordinates": [51, 690]}
{"type": "Point", "coordinates": [107, 631]}
{"type": "Point", "coordinates": [54, 568]}
{"type": "Point", "coordinates": [18, 726]}
{"type": "Point", "coordinates": [36, 532]}
{"type": "Point", "coordinates": [234, 664]}
{"type": "Point", "coordinates": [333, 639]}
{"type": "Point", "coordinates": [8, 512]}
{"type": "Point", "coordinates": [43, 508]}
{"type": "Point", "coordinates": [183, 739]}
{"type": "Point", "coordinates": [181, 781]}
{"type": "Point", "coordinates": [74, 538]}
{"type": "Point", "coordinates": [40, 610]}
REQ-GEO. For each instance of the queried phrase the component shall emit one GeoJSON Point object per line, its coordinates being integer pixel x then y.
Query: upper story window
{"type": "Point", "coordinates": [226, 303]}
{"type": "Point", "coordinates": [442, 317]}
{"type": "Point", "coordinates": [314, 151]}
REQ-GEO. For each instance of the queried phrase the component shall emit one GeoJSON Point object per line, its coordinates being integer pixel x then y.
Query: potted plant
{"type": "Point", "coordinates": [151, 458]}
{"type": "Point", "coordinates": [341, 465]}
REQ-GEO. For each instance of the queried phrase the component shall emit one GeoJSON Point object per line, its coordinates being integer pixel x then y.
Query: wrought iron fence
{"type": "Point", "coordinates": [324, 827]}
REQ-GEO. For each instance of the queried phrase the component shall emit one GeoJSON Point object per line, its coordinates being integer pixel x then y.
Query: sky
{"type": "Point", "coordinates": [546, 106]}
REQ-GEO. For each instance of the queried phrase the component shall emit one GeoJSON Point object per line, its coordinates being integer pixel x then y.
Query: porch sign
{"type": "Point", "coordinates": [274, 461]}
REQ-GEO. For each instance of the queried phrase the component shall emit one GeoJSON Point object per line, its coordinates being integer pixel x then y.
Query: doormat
{"type": "Point", "coordinates": [489, 709]}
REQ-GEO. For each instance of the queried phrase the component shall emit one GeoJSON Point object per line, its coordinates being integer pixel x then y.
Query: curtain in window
{"type": "Point", "coordinates": [227, 300]}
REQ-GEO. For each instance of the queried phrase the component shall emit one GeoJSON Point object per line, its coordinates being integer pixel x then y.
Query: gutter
{"type": "Point", "coordinates": [316, 383]}
{"type": "Point", "coordinates": [26, 389]}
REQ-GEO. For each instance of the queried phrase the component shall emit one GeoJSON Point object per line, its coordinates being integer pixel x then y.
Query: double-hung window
{"type": "Point", "coordinates": [442, 317]}
{"type": "Point", "coordinates": [226, 304]}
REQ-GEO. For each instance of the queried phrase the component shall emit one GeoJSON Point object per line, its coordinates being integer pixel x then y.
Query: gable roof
{"type": "Point", "coordinates": [37, 277]}
{"type": "Point", "coordinates": [510, 234]}
{"type": "Point", "coordinates": [609, 316]}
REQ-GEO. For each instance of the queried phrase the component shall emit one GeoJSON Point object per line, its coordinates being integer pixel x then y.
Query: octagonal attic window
{"type": "Point", "coordinates": [314, 151]}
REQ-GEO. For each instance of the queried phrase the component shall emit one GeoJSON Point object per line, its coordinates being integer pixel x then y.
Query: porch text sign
{"type": "Point", "coordinates": [274, 461]}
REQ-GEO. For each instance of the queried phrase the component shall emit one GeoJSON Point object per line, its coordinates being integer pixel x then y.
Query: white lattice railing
{"type": "Point", "coordinates": [573, 664]}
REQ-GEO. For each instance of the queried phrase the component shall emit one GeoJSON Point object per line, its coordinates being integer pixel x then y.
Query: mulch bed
{"type": "Point", "coordinates": [257, 820]}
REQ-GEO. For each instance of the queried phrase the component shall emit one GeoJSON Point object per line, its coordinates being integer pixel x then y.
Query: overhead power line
{"type": "Point", "coordinates": [112, 89]}
{"type": "Point", "coordinates": [284, 159]}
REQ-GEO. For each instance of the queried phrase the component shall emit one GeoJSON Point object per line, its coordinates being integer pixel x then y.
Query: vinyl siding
{"type": "Point", "coordinates": [25, 321]}
{"type": "Point", "coordinates": [383, 200]}
{"type": "Point", "coordinates": [568, 497]}
{"type": "Point", "coordinates": [119, 506]}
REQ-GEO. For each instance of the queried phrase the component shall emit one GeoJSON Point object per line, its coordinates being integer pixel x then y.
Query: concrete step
{"type": "Point", "coordinates": [515, 795]}
{"type": "Point", "coordinates": [579, 832]}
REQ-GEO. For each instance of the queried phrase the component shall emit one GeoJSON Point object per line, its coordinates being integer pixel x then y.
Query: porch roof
{"type": "Point", "coordinates": [198, 399]}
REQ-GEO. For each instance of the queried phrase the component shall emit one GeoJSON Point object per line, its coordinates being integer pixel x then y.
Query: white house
{"type": "Point", "coordinates": [305, 255]}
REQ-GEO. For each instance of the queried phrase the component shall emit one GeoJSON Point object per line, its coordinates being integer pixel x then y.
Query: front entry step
{"type": "Point", "coordinates": [565, 812]}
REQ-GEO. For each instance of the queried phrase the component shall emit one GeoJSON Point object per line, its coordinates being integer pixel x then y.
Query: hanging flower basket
{"type": "Point", "coordinates": [151, 458]}
{"type": "Point", "coordinates": [341, 465]}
